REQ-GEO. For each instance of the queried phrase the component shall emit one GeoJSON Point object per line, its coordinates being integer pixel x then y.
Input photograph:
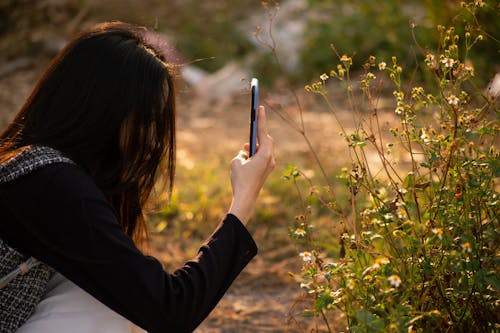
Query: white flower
{"type": "Point", "coordinates": [366, 212]}
{"type": "Point", "coordinates": [448, 62]}
{"type": "Point", "coordinates": [402, 191]}
{"type": "Point", "coordinates": [345, 58]}
{"type": "Point", "coordinates": [438, 232]}
{"type": "Point", "coordinates": [299, 232]}
{"type": "Point", "coordinates": [382, 66]}
{"type": "Point", "coordinates": [382, 260]}
{"type": "Point", "coordinates": [425, 137]}
{"type": "Point", "coordinates": [453, 100]}
{"type": "Point", "coordinates": [479, 3]}
{"type": "Point", "coordinates": [305, 285]}
{"type": "Point", "coordinates": [470, 70]}
{"type": "Point", "coordinates": [336, 293]}
{"type": "Point", "coordinates": [323, 76]}
{"type": "Point", "coordinates": [370, 76]}
{"type": "Point", "coordinates": [430, 60]}
{"type": "Point", "coordinates": [399, 95]}
{"type": "Point", "coordinates": [389, 216]}
{"type": "Point", "coordinates": [466, 247]}
{"type": "Point", "coordinates": [345, 235]}
{"type": "Point", "coordinates": [394, 280]}
{"type": "Point", "coordinates": [306, 256]}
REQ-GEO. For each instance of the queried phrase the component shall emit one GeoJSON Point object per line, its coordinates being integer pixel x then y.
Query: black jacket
{"type": "Point", "coordinates": [58, 215]}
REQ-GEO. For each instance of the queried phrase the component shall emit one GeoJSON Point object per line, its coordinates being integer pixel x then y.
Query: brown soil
{"type": "Point", "coordinates": [264, 298]}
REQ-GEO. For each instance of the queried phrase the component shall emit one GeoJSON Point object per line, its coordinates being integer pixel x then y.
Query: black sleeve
{"type": "Point", "coordinates": [58, 215]}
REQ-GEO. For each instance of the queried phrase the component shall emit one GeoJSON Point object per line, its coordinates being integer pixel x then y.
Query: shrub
{"type": "Point", "coordinates": [418, 241]}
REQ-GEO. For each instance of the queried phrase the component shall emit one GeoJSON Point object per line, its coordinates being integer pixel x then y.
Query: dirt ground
{"type": "Point", "coordinates": [264, 298]}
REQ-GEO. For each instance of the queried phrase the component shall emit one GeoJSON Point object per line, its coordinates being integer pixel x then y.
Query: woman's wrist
{"type": "Point", "coordinates": [243, 211]}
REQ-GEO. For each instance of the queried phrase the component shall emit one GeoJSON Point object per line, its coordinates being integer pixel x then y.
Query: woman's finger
{"type": "Point", "coordinates": [265, 141]}
{"type": "Point", "coordinates": [262, 124]}
{"type": "Point", "coordinates": [242, 156]}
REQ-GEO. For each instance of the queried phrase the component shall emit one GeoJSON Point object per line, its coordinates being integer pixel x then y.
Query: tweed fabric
{"type": "Point", "coordinates": [31, 159]}
{"type": "Point", "coordinates": [20, 296]}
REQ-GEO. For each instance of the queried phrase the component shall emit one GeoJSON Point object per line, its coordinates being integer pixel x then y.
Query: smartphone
{"type": "Point", "coordinates": [253, 116]}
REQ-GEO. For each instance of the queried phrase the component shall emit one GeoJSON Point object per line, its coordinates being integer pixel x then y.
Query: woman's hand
{"type": "Point", "coordinates": [248, 174]}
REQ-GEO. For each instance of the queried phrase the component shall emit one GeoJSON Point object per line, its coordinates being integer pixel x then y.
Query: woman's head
{"type": "Point", "coordinates": [106, 101]}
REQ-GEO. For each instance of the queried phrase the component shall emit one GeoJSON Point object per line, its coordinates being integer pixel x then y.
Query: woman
{"type": "Point", "coordinates": [77, 165]}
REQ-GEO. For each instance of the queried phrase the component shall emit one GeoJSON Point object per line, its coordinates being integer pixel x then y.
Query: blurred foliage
{"type": "Point", "coordinates": [363, 27]}
{"type": "Point", "coordinates": [208, 30]}
{"type": "Point", "coordinates": [25, 24]}
{"type": "Point", "coordinates": [215, 31]}
{"type": "Point", "coordinates": [201, 197]}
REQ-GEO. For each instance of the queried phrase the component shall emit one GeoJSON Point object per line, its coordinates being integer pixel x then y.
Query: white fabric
{"type": "Point", "coordinates": [66, 308]}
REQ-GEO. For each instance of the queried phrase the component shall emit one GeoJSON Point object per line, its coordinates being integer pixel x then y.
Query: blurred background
{"type": "Point", "coordinates": [216, 44]}
{"type": "Point", "coordinates": [219, 45]}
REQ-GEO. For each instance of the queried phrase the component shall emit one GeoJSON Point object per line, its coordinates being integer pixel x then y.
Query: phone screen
{"type": "Point", "coordinates": [253, 116]}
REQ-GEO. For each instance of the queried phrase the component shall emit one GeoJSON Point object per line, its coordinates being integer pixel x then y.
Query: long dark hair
{"type": "Point", "coordinates": [107, 101]}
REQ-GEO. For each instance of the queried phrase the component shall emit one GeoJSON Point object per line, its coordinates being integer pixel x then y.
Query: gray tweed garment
{"type": "Point", "coordinates": [20, 296]}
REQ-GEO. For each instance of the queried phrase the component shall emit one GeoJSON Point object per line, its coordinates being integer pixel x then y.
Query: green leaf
{"type": "Point", "coordinates": [308, 313]}
{"type": "Point", "coordinates": [365, 317]}
{"type": "Point", "coordinates": [323, 300]}
{"type": "Point", "coordinates": [493, 281]}
{"type": "Point", "coordinates": [409, 180]}
{"type": "Point", "coordinates": [291, 172]}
